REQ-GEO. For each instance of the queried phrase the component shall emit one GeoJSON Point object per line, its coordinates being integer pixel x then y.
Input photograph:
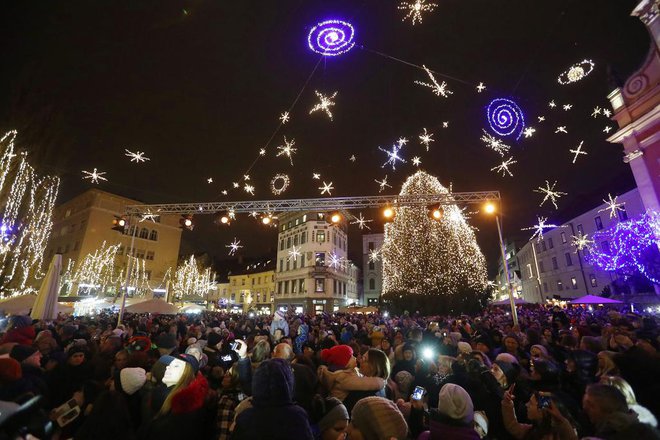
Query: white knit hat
{"type": "Point", "coordinates": [506, 357]}
{"type": "Point", "coordinates": [455, 402]}
{"type": "Point", "coordinates": [464, 347]}
{"type": "Point", "coordinates": [132, 379]}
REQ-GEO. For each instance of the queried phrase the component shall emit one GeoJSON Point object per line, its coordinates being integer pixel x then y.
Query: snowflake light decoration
{"type": "Point", "coordinates": [224, 192]}
{"type": "Point", "coordinates": [246, 177]}
{"type": "Point", "coordinates": [326, 188]}
{"type": "Point", "coordinates": [607, 113]}
{"type": "Point", "coordinates": [149, 216]}
{"type": "Point", "coordinates": [209, 180]}
{"type": "Point", "coordinates": [612, 206]}
{"type": "Point", "coordinates": [416, 161]}
{"type": "Point", "coordinates": [361, 222]}
{"type": "Point", "coordinates": [316, 176]}
{"type": "Point", "coordinates": [494, 143]}
{"type": "Point", "coordinates": [581, 241]}
{"type": "Point", "coordinates": [578, 151]}
{"type": "Point", "coordinates": [596, 112]}
{"type": "Point", "coordinates": [576, 72]}
{"type": "Point", "coordinates": [541, 118]}
{"type": "Point", "coordinates": [415, 10]}
{"type": "Point", "coordinates": [561, 129]}
{"type": "Point", "coordinates": [505, 117]}
{"type": "Point", "coordinates": [234, 246]}
{"type": "Point", "coordinates": [236, 184]}
{"type": "Point", "coordinates": [529, 132]}
{"type": "Point", "coordinates": [336, 262]}
{"type": "Point", "coordinates": [352, 158]}
{"type": "Point", "coordinates": [287, 149]}
{"type": "Point", "coordinates": [262, 152]}
{"type": "Point", "coordinates": [567, 107]}
{"type": "Point", "coordinates": [440, 89]}
{"type": "Point", "coordinates": [284, 118]}
{"type": "Point", "coordinates": [549, 193]}
{"type": "Point", "coordinates": [383, 184]}
{"type": "Point", "coordinates": [607, 129]}
{"type": "Point", "coordinates": [481, 87]}
{"type": "Point", "coordinates": [445, 124]}
{"type": "Point", "coordinates": [325, 102]}
{"type": "Point", "coordinates": [331, 38]}
{"type": "Point", "coordinates": [374, 255]}
{"type": "Point", "coordinates": [137, 157]}
{"type": "Point", "coordinates": [539, 228]}
{"type": "Point", "coordinates": [279, 183]}
{"type": "Point", "coordinates": [552, 104]}
{"type": "Point", "coordinates": [294, 253]}
{"type": "Point", "coordinates": [426, 138]}
{"type": "Point", "coordinates": [94, 176]}
{"type": "Point", "coordinates": [504, 167]}
{"type": "Point", "coordinates": [393, 156]}
{"type": "Point", "coordinates": [249, 189]}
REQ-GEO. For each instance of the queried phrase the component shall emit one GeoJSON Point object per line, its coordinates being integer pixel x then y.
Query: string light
{"type": "Point", "coordinates": [326, 188]}
{"type": "Point", "coordinates": [416, 161]}
{"type": "Point", "coordinates": [561, 129]}
{"type": "Point", "coordinates": [192, 281]}
{"type": "Point", "coordinates": [550, 193]}
{"type": "Point", "coordinates": [529, 132]}
{"type": "Point", "coordinates": [234, 246]}
{"type": "Point", "coordinates": [612, 206]}
{"type": "Point", "coordinates": [440, 89]}
{"type": "Point", "coordinates": [361, 222]}
{"type": "Point", "coordinates": [393, 156]}
{"type": "Point", "coordinates": [325, 102]}
{"type": "Point", "coordinates": [576, 72]}
{"type": "Point", "coordinates": [284, 118]}
{"type": "Point", "coordinates": [481, 87]}
{"type": "Point", "coordinates": [581, 241]}
{"type": "Point", "coordinates": [596, 112]}
{"type": "Point", "coordinates": [283, 180]}
{"type": "Point", "coordinates": [426, 138]}
{"type": "Point", "coordinates": [94, 176]}
{"type": "Point", "coordinates": [415, 10]}
{"type": "Point", "coordinates": [504, 167]}
{"type": "Point", "coordinates": [331, 37]}
{"type": "Point", "coordinates": [383, 184]}
{"type": "Point", "coordinates": [249, 189]}
{"type": "Point", "coordinates": [505, 117]}
{"type": "Point", "coordinates": [567, 107]}
{"type": "Point", "coordinates": [287, 149]}
{"type": "Point", "coordinates": [262, 152]}
{"type": "Point", "coordinates": [137, 157]}
{"type": "Point", "coordinates": [494, 143]}
{"type": "Point", "coordinates": [539, 228]}
{"type": "Point", "coordinates": [578, 151]}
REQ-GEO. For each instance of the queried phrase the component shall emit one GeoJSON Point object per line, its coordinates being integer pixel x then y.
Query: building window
{"type": "Point", "coordinates": [144, 233]}
{"type": "Point", "coordinates": [288, 266]}
{"type": "Point", "coordinates": [294, 286]}
{"type": "Point", "coordinates": [320, 236]}
{"type": "Point", "coordinates": [302, 260]}
{"type": "Point", "coordinates": [592, 280]}
{"type": "Point", "coordinates": [319, 259]}
{"type": "Point", "coordinates": [622, 213]}
{"type": "Point", "coordinates": [537, 246]}
{"type": "Point", "coordinates": [282, 244]}
{"type": "Point", "coordinates": [560, 286]}
{"type": "Point", "coordinates": [281, 265]}
{"type": "Point", "coordinates": [599, 223]}
{"type": "Point", "coordinates": [295, 263]}
{"type": "Point", "coordinates": [555, 266]}
{"type": "Point", "coordinates": [279, 287]}
{"type": "Point", "coordinates": [543, 248]}
{"type": "Point", "coordinates": [303, 237]}
{"type": "Point", "coordinates": [295, 240]}
{"type": "Point", "coordinates": [147, 274]}
{"type": "Point", "coordinates": [150, 255]}
{"type": "Point", "coordinates": [140, 253]}
{"type": "Point", "coordinates": [286, 286]}
{"type": "Point", "coordinates": [574, 283]}
{"type": "Point", "coordinates": [372, 265]}
{"type": "Point", "coordinates": [580, 229]}
{"type": "Point", "coordinates": [297, 221]}
{"type": "Point", "coordinates": [304, 218]}
{"type": "Point", "coordinates": [153, 236]}
{"type": "Point", "coordinates": [371, 245]}
{"type": "Point", "coordinates": [372, 284]}
{"type": "Point", "coordinates": [334, 286]}
{"type": "Point", "coordinates": [301, 286]}
{"type": "Point", "coordinates": [541, 267]}
{"type": "Point", "coordinates": [318, 284]}
{"type": "Point", "coordinates": [545, 287]}
{"type": "Point", "coordinates": [550, 243]}
{"type": "Point", "coordinates": [569, 261]}
{"type": "Point", "coordinates": [288, 242]}
{"type": "Point", "coordinates": [563, 237]}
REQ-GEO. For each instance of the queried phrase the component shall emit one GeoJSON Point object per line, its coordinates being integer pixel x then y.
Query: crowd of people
{"type": "Point", "coordinates": [558, 374]}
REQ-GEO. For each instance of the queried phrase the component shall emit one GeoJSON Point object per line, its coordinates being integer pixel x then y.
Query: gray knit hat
{"type": "Point", "coordinates": [378, 418]}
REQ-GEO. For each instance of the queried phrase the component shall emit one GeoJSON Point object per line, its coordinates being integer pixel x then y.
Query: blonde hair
{"type": "Point", "coordinates": [620, 384]}
{"type": "Point", "coordinates": [610, 366]}
{"type": "Point", "coordinates": [186, 378]}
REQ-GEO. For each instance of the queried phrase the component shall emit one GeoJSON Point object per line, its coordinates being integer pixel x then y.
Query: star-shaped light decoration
{"type": "Point", "coordinates": [481, 87]}
{"type": "Point", "coordinates": [249, 189]}
{"type": "Point", "coordinates": [137, 157]}
{"type": "Point", "coordinates": [393, 156]}
{"type": "Point", "coordinates": [383, 184]}
{"type": "Point", "coordinates": [325, 102]}
{"type": "Point", "coordinates": [149, 216]}
{"type": "Point", "coordinates": [612, 206]}
{"type": "Point", "coordinates": [596, 112]}
{"type": "Point", "coordinates": [262, 152]}
{"type": "Point", "coordinates": [581, 241]}
{"type": "Point", "coordinates": [236, 184]}
{"type": "Point", "coordinates": [224, 192]}
{"type": "Point", "coordinates": [541, 118]}
{"type": "Point", "coordinates": [440, 89]}
{"type": "Point", "coordinates": [374, 255]}
{"type": "Point", "coordinates": [402, 141]}
{"type": "Point", "coordinates": [287, 149]}
{"type": "Point", "coordinates": [578, 151]}
{"type": "Point", "coordinates": [361, 222]}
{"type": "Point", "coordinates": [246, 177]}
{"type": "Point", "coordinates": [607, 113]}
{"type": "Point", "coordinates": [552, 104]}
{"type": "Point", "coordinates": [94, 176]}
{"type": "Point", "coordinates": [254, 214]}
{"type": "Point", "coordinates": [567, 107]}
{"type": "Point", "coordinates": [284, 118]}
{"type": "Point", "coordinates": [416, 161]}
{"type": "Point", "coordinates": [504, 167]}
{"type": "Point", "coordinates": [336, 261]}
{"type": "Point", "coordinates": [529, 132]}
{"type": "Point", "coordinates": [539, 228]}
{"type": "Point", "coordinates": [494, 143]}
{"type": "Point", "coordinates": [294, 253]}
{"type": "Point", "coordinates": [326, 188]}
{"type": "Point", "coordinates": [426, 138]}
{"type": "Point", "coordinates": [607, 129]}
{"type": "Point", "coordinates": [415, 10]}
{"type": "Point", "coordinates": [231, 213]}
{"type": "Point", "coordinates": [549, 193]}
{"type": "Point", "coordinates": [316, 176]}
{"type": "Point", "coordinates": [234, 246]}
{"type": "Point", "coordinates": [209, 180]}
{"type": "Point", "coordinates": [352, 158]}
{"type": "Point", "coordinates": [561, 129]}
{"type": "Point", "coordinates": [445, 124]}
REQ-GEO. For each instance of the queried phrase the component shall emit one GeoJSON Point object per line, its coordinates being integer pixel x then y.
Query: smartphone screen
{"type": "Point", "coordinates": [418, 393]}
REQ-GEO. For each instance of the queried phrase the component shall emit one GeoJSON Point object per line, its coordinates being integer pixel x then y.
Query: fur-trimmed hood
{"type": "Point", "coordinates": [192, 397]}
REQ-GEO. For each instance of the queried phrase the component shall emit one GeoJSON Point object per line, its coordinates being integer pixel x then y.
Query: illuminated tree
{"type": "Point", "coordinates": [431, 265]}
{"type": "Point", "coordinates": [191, 281]}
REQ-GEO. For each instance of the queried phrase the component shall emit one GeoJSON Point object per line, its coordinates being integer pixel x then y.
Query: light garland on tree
{"type": "Point", "coordinates": [191, 281]}
{"type": "Point", "coordinates": [423, 256]}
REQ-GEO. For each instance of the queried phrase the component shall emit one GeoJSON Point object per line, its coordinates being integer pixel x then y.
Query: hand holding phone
{"type": "Point", "coordinates": [418, 393]}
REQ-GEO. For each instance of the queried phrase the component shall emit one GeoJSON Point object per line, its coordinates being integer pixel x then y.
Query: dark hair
{"type": "Point", "coordinates": [545, 426]}
{"type": "Point", "coordinates": [108, 420]}
{"type": "Point", "coordinates": [610, 398]}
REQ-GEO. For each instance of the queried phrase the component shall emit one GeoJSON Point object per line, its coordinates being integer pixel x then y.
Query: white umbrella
{"type": "Point", "coordinates": [17, 305]}
{"type": "Point", "coordinates": [45, 307]}
{"type": "Point", "coordinates": [153, 306]}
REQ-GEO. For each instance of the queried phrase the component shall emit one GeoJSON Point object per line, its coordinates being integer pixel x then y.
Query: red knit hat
{"type": "Point", "coordinates": [10, 370]}
{"type": "Point", "coordinates": [338, 355]}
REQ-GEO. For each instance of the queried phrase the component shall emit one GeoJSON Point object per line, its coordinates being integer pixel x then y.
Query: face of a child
{"type": "Point", "coordinates": [352, 363]}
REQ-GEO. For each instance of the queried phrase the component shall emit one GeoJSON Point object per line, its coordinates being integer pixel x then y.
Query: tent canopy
{"type": "Point", "coordinates": [17, 305]}
{"type": "Point", "coordinates": [358, 309]}
{"type": "Point", "coordinates": [506, 302]}
{"type": "Point", "coordinates": [592, 299]}
{"type": "Point", "coordinates": [153, 306]}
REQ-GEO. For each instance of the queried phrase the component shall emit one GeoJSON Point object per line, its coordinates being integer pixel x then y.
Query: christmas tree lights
{"type": "Point", "coordinates": [191, 281]}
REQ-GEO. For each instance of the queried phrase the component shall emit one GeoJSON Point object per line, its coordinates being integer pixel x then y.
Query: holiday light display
{"type": "Point", "coordinates": [417, 161]}
{"type": "Point", "coordinates": [294, 253]}
{"type": "Point", "coordinates": [423, 256]}
{"type": "Point", "coordinates": [549, 193]}
{"type": "Point", "coordinates": [325, 102]}
{"type": "Point", "coordinates": [287, 149]}
{"type": "Point", "coordinates": [567, 107]}
{"type": "Point", "coordinates": [94, 273]}
{"type": "Point", "coordinates": [540, 118]}
{"type": "Point", "coordinates": [331, 37]}
{"type": "Point", "coordinates": [480, 87]}
{"type": "Point", "coordinates": [612, 206]}
{"type": "Point", "coordinates": [576, 152]}
{"type": "Point", "coordinates": [505, 118]}
{"type": "Point", "coordinates": [374, 255]}
{"type": "Point", "coordinates": [426, 138]}
{"type": "Point", "coordinates": [352, 158]}
{"type": "Point", "coordinates": [581, 241]}
{"type": "Point", "coordinates": [316, 176]}
{"type": "Point", "coordinates": [234, 246]}
{"type": "Point", "coordinates": [326, 188]}
{"type": "Point", "coordinates": [504, 167]}
{"type": "Point", "coordinates": [415, 9]}
{"type": "Point", "coordinates": [607, 112]}
{"type": "Point", "coordinates": [192, 281]}
{"type": "Point", "coordinates": [539, 228]}
{"type": "Point", "coordinates": [361, 222]}
{"type": "Point", "coordinates": [279, 183]}
{"type": "Point", "coordinates": [94, 176]}
{"type": "Point", "coordinates": [561, 129]}
{"type": "Point", "coordinates": [596, 112]}
{"type": "Point", "coordinates": [382, 184]}
{"type": "Point", "coordinates": [249, 189]}
{"type": "Point", "coordinates": [284, 118]}
{"type": "Point", "coordinates": [576, 72]}
{"type": "Point", "coordinates": [137, 157]}
{"type": "Point", "coordinates": [607, 129]}
{"type": "Point", "coordinates": [393, 155]}
{"type": "Point", "coordinates": [494, 143]}
{"type": "Point", "coordinates": [440, 89]}
{"type": "Point", "coordinates": [529, 132]}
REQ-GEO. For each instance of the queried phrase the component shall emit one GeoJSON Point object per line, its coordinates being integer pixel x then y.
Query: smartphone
{"type": "Point", "coordinates": [543, 401]}
{"type": "Point", "coordinates": [226, 358]}
{"type": "Point", "coordinates": [418, 393]}
{"type": "Point", "coordinates": [233, 345]}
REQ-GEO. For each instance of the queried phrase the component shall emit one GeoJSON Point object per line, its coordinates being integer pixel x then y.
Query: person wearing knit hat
{"type": "Point", "coordinates": [24, 353]}
{"type": "Point", "coordinates": [10, 370]}
{"type": "Point", "coordinates": [341, 382]}
{"type": "Point", "coordinates": [454, 417]}
{"type": "Point", "coordinates": [338, 357]}
{"type": "Point", "coordinates": [132, 379]}
{"type": "Point", "coordinates": [192, 360]}
{"type": "Point", "coordinates": [506, 373]}
{"type": "Point", "coordinates": [539, 351]}
{"type": "Point", "coordinates": [334, 418]}
{"type": "Point", "coordinates": [464, 347]}
{"type": "Point", "coordinates": [506, 357]}
{"type": "Point", "coordinates": [166, 343]}
{"type": "Point", "coordinates": [404, 381]}
{"type": "Point", "coordinates": [376, 418]}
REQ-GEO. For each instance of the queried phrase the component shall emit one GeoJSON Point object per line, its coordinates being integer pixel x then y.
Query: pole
{"type": "Point", "coordinates": [514, 314]}
{"type": "Point", "coordinates": [129, 267]}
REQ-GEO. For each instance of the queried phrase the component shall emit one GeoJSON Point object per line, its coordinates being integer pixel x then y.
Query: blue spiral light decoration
{"type": "Point", "coordinates": [505, 118]}
{"type": "Point", "coordinates": [331, 37]}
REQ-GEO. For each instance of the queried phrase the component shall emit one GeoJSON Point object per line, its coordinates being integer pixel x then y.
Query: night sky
{"type": "Point", "coordinates": [198, 85]}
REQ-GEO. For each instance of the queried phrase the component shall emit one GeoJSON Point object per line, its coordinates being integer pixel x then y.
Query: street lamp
{"type": "Point", "coordinates": [490, 208]}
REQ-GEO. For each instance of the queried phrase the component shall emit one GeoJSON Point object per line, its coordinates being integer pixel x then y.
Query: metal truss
{"type": "Point", "coordinates": [320, 204]}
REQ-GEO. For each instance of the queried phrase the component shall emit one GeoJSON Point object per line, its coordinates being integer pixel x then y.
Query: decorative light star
{"type": "Point", "coordinates": [494, 143]}
{"type": "Point", "coordinates": [209, 180]}
{"type": "Point", "coordinates": [578, 151]}
{"type": "Point", "coordinates": [445, 124]}
{"type": "Point", "coordinates": [529, 131]}
{"type": "Point", "coordinates": [541, 118]}
{"type": "Point", "coordinates": [94, 176]}
{"type": "Point", "coordinates": [561, 129]}
{"type": "Point", "coordinates": [336, 261]}
{"type": "Point", "coordinates": [402, 141]}
{"type": "Point", "coordinates": [440, 89]}
{"type": "Point", "coordinates": [234, 246]}
{"type": "Point", "coordinates": [224, 192]}
{"type": "Point", "coordinates": [481, 87]}
{"type": "Point", "coordinates": [294, 253]}
{"type": "Point", "coordinates": [246, 177]}
{"type": "Point", "coordinates": [149, 216]}
{"type": "Point", "coordinates": [416, 161]}
{"type": "Point", "coordinates": [249, 189]}
{"type": "Point", "coordinates": [567, 107]}
{"type": "Point", "coordinates": [426, 138]}
{"type": "Point", "coordinates": [607, 113]}
{"type": "Point", "coordinates": [576, 72]}
{"type": "Point", "coordinates": [325, 103]}
{"type": "Point", "coordinates": [361, 222]}
{"type": "Point", "coordinates": [262, 152]}
{"type": "Point", "coordinates": [374, 255]}
{"type": "Point", "coordinates": [612, 206]}
{"type": "Point", "coordinates": [581, 241]}
{"type": "Point", "coordinates": [504, 167]}
{"type": "Point", "coordinates": [596, 112]}
{"type": "Point", "coordinates": [231, 213]}
{"type": "Point", "coordinates": [607, 129]}
{"type": "Point", "coordinates": [393, 156]}
{"type": "Point", "coordinates": [279, 184]}
{"type": "Point", "coordinates": [254, 214]}
{"type": "Point", "coordinates": [552, 104]}
{"type": "Point", "coordinates": [316, 176]}
{"type": "Point", "coordinates": [352, 158]}
{"type": "Point", "coordinates": [236, 184]}
{"type": "Point", "coordinates": [284, 118]}
{"type": "Point", "coordinates": [550, 193]}
{"type": "Point", "coordinates": [326, 188]}
{"type": "Point", "coordinates": [415, 10]}
{"type": "Point", "coordinates": [539, 228]}
{"type": "Point", "coordinates": [137, 157]}
{"type": "Point", "coordinates": [383, 184]}
{"type": "Point", "coordinates": [287, 149]}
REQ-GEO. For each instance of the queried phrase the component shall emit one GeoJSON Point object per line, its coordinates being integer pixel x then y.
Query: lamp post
{"type": "Point", "coordinates": [491, 209]}
{"type": "Point", "coordinates": [128, 269]}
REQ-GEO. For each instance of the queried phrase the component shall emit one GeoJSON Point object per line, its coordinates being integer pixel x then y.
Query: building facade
{"type": "Point", "coordinates": [313, 274]}
{"type": "Point", "coordinates": [251, 289]}
{"type": "Point", "coordinates": [373, 268]}
{"type": "Point", "coordinates": [511, 254]}
{"type": "Point", "coordinates": [81, 226]}
{"type": "Point", "coordinates": [554, 268]}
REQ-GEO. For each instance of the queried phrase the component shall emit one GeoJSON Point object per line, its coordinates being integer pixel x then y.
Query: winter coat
{"type": "Point", "coordinates": [443, 428]}
{"type": "Point", "coordinates": [192, 415]}
{"type": "Point", "coordinates": [20, 335]}
{"type": "Point", "coordinates": [65, 380]}
{"type": "Point", "coordinates": [303, 336]}
{"type": "Point", "coordinates": [339, 383]}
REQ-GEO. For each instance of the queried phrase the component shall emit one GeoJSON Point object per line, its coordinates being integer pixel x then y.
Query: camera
{"type": "Point", "coordinates": [418, 393]}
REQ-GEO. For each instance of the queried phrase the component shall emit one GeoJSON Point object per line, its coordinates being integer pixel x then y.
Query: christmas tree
{"type": "Point", "coordinates": [431, 265]}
